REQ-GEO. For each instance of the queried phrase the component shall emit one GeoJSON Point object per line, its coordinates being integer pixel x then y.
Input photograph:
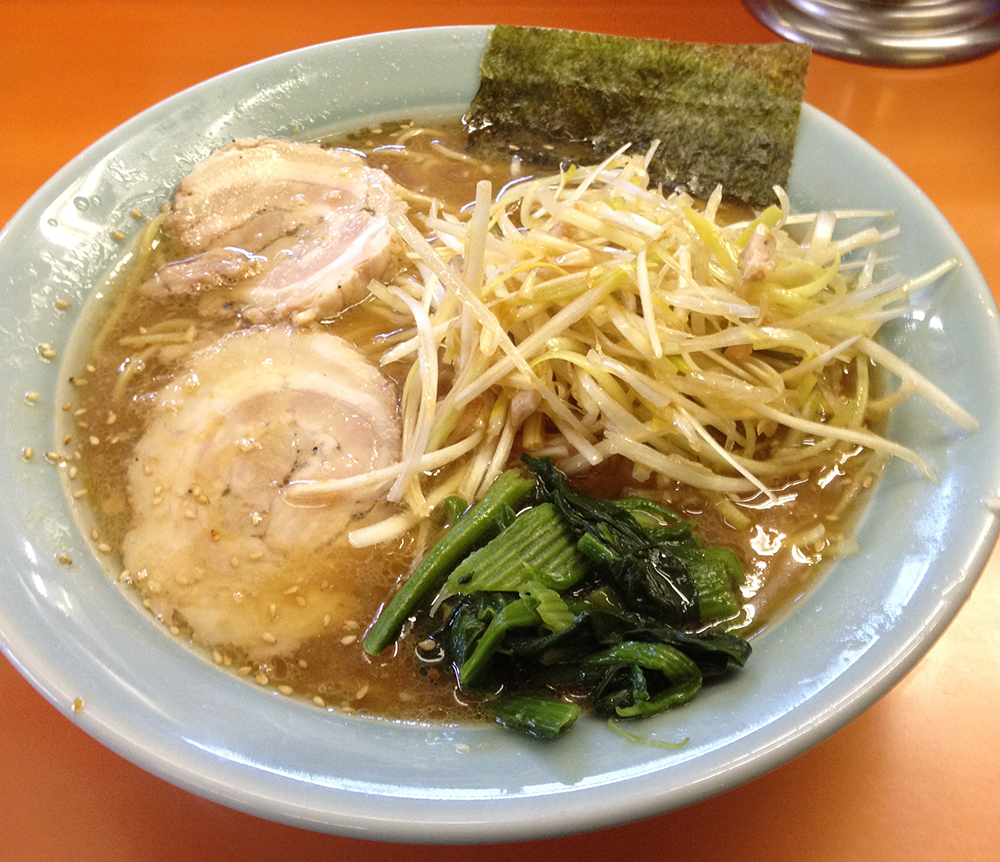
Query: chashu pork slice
{"type": "Point", "coordinates": [214, 542]}
{"type": "Point", "coordinates": [276, 230]}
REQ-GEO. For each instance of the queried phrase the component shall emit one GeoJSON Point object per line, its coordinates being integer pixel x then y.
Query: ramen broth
{"type": "Point", "coordinates": [143, 341]}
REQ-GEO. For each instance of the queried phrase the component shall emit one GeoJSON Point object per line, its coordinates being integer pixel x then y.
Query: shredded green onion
{"type": "Point", "coordinates": [587, 314]}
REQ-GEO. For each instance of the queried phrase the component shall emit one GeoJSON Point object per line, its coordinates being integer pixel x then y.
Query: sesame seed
{"type": "Point", "coordinates": [269, 638]}
{"type": "Point", "coordinates": [319, 701]}
{"type": "Point", "coordinates": [274, 611]}
{"type": "Point", "coordinates": [256, 518]}
{"type": "Point", "coordinates": [94, 534]}
{"type": "Point", "coordinates": [112, 418]}
{"type": "Point", "coordinates": [91, 368]}
{"type": "Point", "coordinates": [326, 621]}
{"type": "Point", "coordinates": [428, 644]}
{"type": "Point", "coordinates": [79, 412]}
{"type": "Point", "coordinates": [157, 490]}
{"type": "Point", "coordinates": [62, 303]}
{"type": "Point", "coordinates": [95, 441]}
{"type": "Point", "coordinates": [217, 656]}
{"type": "Point", "coordinates": [27, 452]}
{"type": "Point", "coordinates": [261, 679]}
{"type": "Point", "coordinates": [78, 705]}
{"type": "Point", "coordinates": [142, 574]}
{"type": "Point", "coordinates": [73, 470]}
{"type": "Point", "coordinates": [157, 501]}
{"type": "Point", "coordinates": [53, 456]}
{"type": "Point", "coordinates": [83, 425]}
{"type": "Point", "coordinates": [32, 396]}
{"type": "Point", "coordinates": [285, 690]}
{"type": "Point", "coordinates": [104, 548]}
{"type": "Point", "coordinates": [136, 214]}
{"type": "Point", "coordinates": [245, 670]}
{"type": "Point", "coordinates": [351, 625]}
{"type": "Point", "coordinates": [215, 535]}
{"type": "Point", "coordinates": [302, 663]}
{"type": "Point", "coordinates": [255, 555]}
{"type": "Point", "coordinates": [47, 351]}
{"type": "Point", "coordinates": [300, 601]}
{"type": "Point", "coordinates": [361, 692]}
{"type": "Point", "coordinates": [67, 439]}
{"type": "Point", "coordinates": [227, 661]}
{"type": "Point", "coordinates": [145, 604]}
{"type": "Point", "coordinates": [291, 591]}
{"type": "Point", "coordinates": [147, 469]}
{"type": "Point", "coordinates": [234, 561]}
{"type": "Point", "coordinates": [190, 515]}
{"type": "Point", "coordinates": [65, 560]}
{"type": "Point", "coordinates": [78, 495]}
{"type": "Point", "coordinates": [202, 499]}
{"type": "Point", "coordinates": [124, 577]}
{"type": "Point", "coordinates": [117, 234]}
{"type": "Point", "coordinates": [174, 630]}
{"type": "Point", "coordinates": [79, 381]}
{"type": "Point", "coordinates": [347, 640]}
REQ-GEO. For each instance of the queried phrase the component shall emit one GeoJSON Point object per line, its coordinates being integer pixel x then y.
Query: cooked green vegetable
{"type": "Point", "coordinates": [574, 592]}
{"type": "Point", "coordinates": [625, 689]}
{"type": "Point", "coordinates": [722, 113]}
{"type": "Point", "coordinates": [538, 716]}
{"type": "Point", "coordinates": [662, 571]}
{"type": "Point", "coordinates": [503, 612]}
{"type": "Point", "coordinates": [537, 545]}
{"type": "Point", "coordinates": [508, 491]}
{"type": "Point", "coordinates": [455, 508]}
{"type": "Point", "coordinates": [595, 628]}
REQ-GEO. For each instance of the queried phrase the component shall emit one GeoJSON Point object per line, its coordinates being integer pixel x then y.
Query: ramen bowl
{"type": "Point", "coordinates": [87, 645]}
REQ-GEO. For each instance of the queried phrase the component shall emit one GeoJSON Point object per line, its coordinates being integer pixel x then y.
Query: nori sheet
{"type": "Point", "coordinates": [723, 113]}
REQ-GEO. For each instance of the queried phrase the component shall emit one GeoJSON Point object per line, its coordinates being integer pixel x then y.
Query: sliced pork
{"type": "Point", "coordinates": [215, 543]}
{"type": "Point", "coordinates": [289, 231]}
{"type": "Point", "coordinates": [758, 259]}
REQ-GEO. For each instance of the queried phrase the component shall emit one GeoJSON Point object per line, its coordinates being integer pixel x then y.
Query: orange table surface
{"type": "Point", "coordinates": [917, 777]}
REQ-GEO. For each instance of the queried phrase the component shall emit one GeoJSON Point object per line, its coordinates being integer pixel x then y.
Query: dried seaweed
{"type": "Point", "coordinates": [723, 113]}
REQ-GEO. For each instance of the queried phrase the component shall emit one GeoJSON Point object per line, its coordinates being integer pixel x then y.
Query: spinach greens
{"type": "Point", "coordinates": [576, 595]}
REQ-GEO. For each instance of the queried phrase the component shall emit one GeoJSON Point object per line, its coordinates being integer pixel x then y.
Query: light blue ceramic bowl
{"type": "Point", "coordinates": [74, 633]}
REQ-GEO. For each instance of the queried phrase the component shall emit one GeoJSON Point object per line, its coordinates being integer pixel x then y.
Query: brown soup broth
{"type": "Point", "coordinates": [143, 341]}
